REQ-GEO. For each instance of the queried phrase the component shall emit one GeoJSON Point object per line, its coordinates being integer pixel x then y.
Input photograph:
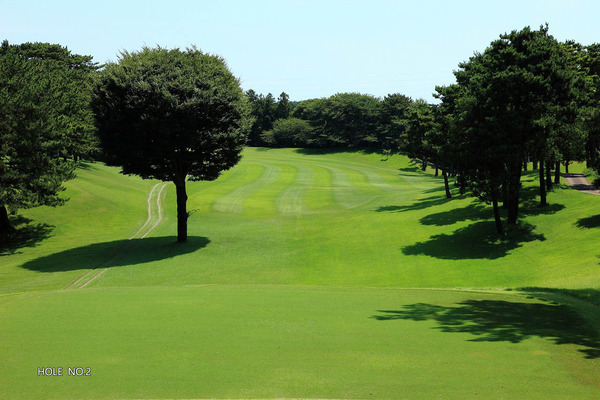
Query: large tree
{"type": "Point", "coordinates": [513, 97]}
{"type": "Point", "coordinates": [171, 115]}
{"type": "Point", "coordinates": [44, 119]}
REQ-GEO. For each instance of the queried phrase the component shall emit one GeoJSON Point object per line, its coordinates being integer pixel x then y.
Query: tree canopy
{"type": "Point", "coordinates": [171, 115]}
{"type": "Point", "coordinates": [510, 100]}
{"type": "Point", "coordinates": [44, 119]}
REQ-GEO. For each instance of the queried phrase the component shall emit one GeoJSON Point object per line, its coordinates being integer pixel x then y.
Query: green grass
{"type": "Point", "coordinates": [307, 275]}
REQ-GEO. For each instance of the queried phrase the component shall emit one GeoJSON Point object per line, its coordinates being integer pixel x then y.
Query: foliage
{"type": "Point", "coordinates": [392, 114]}
{"type": "Point", "coordinates": [347, 120]}
{"type": "Point", "coordinates": [513, 98]}
{"type": "Point", "coordinates": [265, 111]}
{"type": "Point", "coordinates": [44, 118]}
{"type": "Point", "coordinates": [171, 115]}
{"type": "Point", "coordinates": [289, 132]}
{"type": "Point", "coordinates": [419, 130]}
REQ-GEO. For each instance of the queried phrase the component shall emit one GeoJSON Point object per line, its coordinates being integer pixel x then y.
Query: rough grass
{"type": "Point", "coordinates": [295, 283]}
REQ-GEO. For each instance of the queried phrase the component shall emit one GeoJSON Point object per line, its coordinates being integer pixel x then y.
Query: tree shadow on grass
{"type": "Point", "coordinates": [476, 241]}
{"type": "Point", "coordinates": [414, 169]}
{"type": "Point", "coordinates": [418, 205]}
{"type": "Point", "coordinates": [591, 296]}
{"type": "Point", "coordinates": [479, 212]}
{"type": "Point", "coordinates": [25, 234]}
{"type": "Point", "coordinates": [472, 212]}
{"type": "Point", "coordinates": [505, 321]}
{"type": "Point", "coordinates": [589, 222]}
{"type": "Point", "coordinates": [117, 253]}
{"type": "Point", "coordinates": [317, 151]}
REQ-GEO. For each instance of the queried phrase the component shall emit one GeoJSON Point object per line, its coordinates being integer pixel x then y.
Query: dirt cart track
{"type": "Point", "coordinates": [129, 246]}
{"type": "Point", "coordinates": [580, 182]}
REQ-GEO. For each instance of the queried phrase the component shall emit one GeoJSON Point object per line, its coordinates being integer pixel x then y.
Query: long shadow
{"type": "Point", "coordinates": [315, 151]}
{"type": "Point", "coordinates": [26, 233]}
{"type": "Point", "coordinates": [418, 205]}
{"type": "Point", "coordinates": [85, 165]}
{"type": "Point", "coordinates": [476, 241]}
{"type": "Point", "coordinates": [478, 212]}
{"type": "Point", "coordinates": [589, 222]}
{"type": "Point", "coordinates": [588, 295]}
{"type": "Point", "coordinates": [472, 212]}
{"type": "Point", "coordinates": [505, 321]}
{"type": "Point", "coordinates": [413, 169]}
{"type": "Point", "coordinates": [117, 253]}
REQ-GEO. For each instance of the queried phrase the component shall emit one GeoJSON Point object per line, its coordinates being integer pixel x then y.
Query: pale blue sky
{"type": "Point", "coordinates": [306, 48]}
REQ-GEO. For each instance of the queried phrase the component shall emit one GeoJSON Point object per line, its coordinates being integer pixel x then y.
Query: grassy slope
{"type": "Point", "coordinates": [401, 233]}
{"type": "Point", "coordinates": [299, 302]}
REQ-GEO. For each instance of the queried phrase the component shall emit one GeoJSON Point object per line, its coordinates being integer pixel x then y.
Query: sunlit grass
{"type": "Point", "coordinates": [296, 283]}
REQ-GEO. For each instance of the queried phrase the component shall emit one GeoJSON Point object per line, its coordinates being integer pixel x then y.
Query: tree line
{"type": "Point", "coordinates": [181, 115]}
{"type": "Point", "coordinates": [526, 98]}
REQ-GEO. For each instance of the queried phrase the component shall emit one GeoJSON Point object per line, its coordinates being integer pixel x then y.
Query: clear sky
{"type": "Point", "coordinates": [306, 48]}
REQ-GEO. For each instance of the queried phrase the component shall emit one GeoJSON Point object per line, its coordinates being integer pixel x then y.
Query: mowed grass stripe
{"type": "Point", "coordinates": [263, 202]}
{"type": "Point", "coordinates": [351, 188]}
{"type": "Point", "coordinates": [233, 201]}
{"type": "Point", "coordinates": [319, 196]}
{"type": "Point", "coordinates": [291, 201]}
{"type": "Point", "coordinates": [203, 195]}
{"type": "Point", "coordinates": [380, 177]}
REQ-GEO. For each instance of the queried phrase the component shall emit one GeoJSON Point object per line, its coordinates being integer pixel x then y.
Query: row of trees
{"type": "Point", "coordinates": [181, 115]}
{"type": "Point", "coordinates": [527, 97]}
{"type": "Point", "coordinates": [350, 120]}
{"type": "Point", "coordinates": [265, 111]}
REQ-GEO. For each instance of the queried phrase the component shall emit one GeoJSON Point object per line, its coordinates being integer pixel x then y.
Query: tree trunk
{"type": "Point", "coordinates": [504, 195]}
{"type": "Point", "coordinates": [542, 185]}
{"type": "Point", "coordinates": [446, 185]}
{"type": "Point", "coordinates": [534, 164]}
{"type": "Point", "coordinates": [567, 167]}
{"type": "Point", "coordinates": [497, 213]}
{"type": "Point", "coordinates": [513, 183]}
{"type": "Point", "coordinates": [525, 165]}
{"type": "Point", "coordinates": [436, 168]}
{"type": "Point", "coordinates": [557, 173]}
{"type": "Point", "coordinates": [182, 215]}
{"type": "Point", "coordinates": [5, 225]}
{"type": "Point", "coordinates": [462, 184]}
{"type": "Point", "coordinates": [424, 165]}
{"type": "Point", "coordinates": [548, 175]}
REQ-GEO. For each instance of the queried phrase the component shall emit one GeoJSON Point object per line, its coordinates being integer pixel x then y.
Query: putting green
{"type": "Point", "coordinates": [306, 275]}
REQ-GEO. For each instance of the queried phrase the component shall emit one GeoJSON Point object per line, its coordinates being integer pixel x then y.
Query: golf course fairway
{"type": "Point", "coordinates": [337, 275]}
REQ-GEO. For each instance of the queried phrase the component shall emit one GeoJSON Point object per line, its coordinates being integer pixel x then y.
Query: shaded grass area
{"type": "Point", "coordinates": [25, 233]}
{"type": "Point", "coordinates": [476, 241]}
{"type": "Point", "coordinates": [589, 222]}
{"type": "Point", "coordinates": [591, 296]}
{"type": "Point", "coordinates": [293, 342]}
{"type": "Point", "coordinates": [509, 321]}
{"type": "Point", "coordinates": [118, 253]}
